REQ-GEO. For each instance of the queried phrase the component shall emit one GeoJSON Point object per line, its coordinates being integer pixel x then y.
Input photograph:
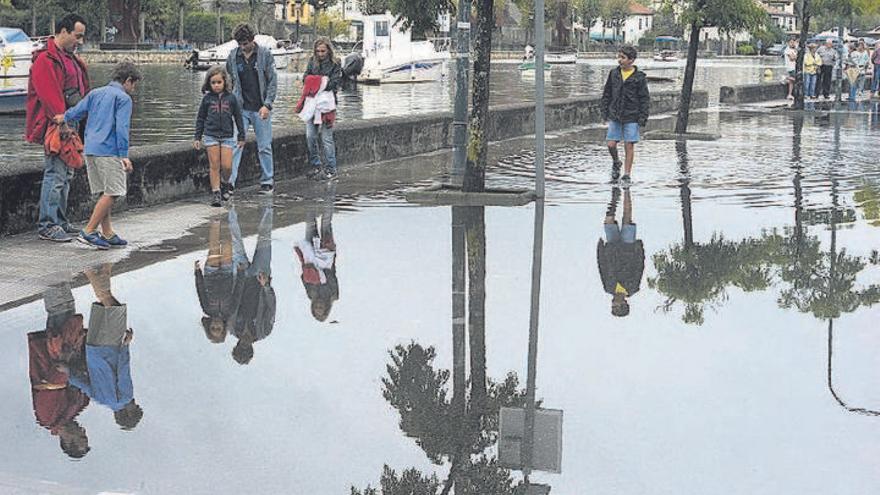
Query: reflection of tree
{"type": "Point", "coordinates": [458, 429]}
{"type": "Point", "coordinates": [698, 274]}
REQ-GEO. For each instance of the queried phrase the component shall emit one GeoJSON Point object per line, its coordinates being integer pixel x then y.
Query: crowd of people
{"type": "Point", "coordinates": [70, 119]}
{"type": "Point", "coordinates": [856, 61]}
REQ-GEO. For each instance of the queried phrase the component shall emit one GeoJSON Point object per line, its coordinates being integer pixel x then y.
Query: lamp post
{"type": "Point", "coordinates": [298, 9]}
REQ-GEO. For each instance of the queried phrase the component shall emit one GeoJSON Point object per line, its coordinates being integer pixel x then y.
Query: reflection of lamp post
{"type": "Point", "coordinates": [531, 438]}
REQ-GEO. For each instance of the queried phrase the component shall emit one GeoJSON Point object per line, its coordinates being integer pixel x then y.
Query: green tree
{"type": "Point", "coordinates": [729, 16]}
{"type": "Point", "coordinates": [587, 12]}
{"type": "Point", "coordinates": [372, 7]}
{"type": "Point", "coordinates": [478, 141]}
{"type": "Point", "coordinates": [332, 24]}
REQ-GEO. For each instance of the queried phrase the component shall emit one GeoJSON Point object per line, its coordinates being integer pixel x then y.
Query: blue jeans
{"type": "Point", "coordinates": [263, 130]}
{"type": "Point", "coordinates": [875, 83]}
{"type": "Point", "coordinates": [327, 144]}
{"type": "Point", "coordinates": [53, 193]}
{"type": "Point", "coordinates": [855, 89]}
{"type": "Point", "coordinates": [810, 85]}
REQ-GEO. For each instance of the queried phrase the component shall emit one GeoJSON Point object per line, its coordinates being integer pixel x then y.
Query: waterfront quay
{"type": "Point", "coordinates": [382, 342]}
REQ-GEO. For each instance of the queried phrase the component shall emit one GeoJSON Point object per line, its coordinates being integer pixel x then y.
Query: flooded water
{"type": "Point", "coordinates": [711, 329]}
{"type": "Point", "coordinates": [167, 100]}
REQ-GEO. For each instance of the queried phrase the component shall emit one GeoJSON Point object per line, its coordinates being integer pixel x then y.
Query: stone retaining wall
{"type": "Point", "coordinates": [171, 171]}
{"type": "Point", "coordinates": [752, 93]}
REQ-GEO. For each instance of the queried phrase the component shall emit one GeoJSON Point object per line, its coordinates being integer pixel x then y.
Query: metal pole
{"type": "Point", "coordinates": [539, 98]}
{"type": "Point", "coordinates": [534, 313]}
{"type": "Point", "coordinates": [460, 114]}
{"type": "Point", "coordinates": [839, 69]}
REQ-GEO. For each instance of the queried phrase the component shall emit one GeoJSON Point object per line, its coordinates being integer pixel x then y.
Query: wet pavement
{"type": "Point", "coordinates": [364, 336]}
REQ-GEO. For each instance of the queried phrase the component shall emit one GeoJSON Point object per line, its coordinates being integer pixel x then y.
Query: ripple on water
{"type": "Point", "coordinates": [754, 164]}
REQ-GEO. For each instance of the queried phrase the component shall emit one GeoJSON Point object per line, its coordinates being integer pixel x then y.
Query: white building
{"type": "Point", "coordinates": [637, 23]}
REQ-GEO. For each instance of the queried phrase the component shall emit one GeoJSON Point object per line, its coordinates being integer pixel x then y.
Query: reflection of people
{"type": "Point", "coordinates": [50, 352]}
{"type": "Point", "coordinates": [529, 53]}
{"type": "Point", "coordinates": [216, 283]}
{"type": "Point", "coordinates": [620, 255]}
{"type": "Point", "coordinates": [317, 254]}
{"type": "Point", "coordinates": [255, 315]}
{"type": "Point", "coordinates": [107, 377]}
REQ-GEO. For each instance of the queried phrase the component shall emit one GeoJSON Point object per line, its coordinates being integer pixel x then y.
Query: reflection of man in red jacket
{"type": "Point", "coordinates": [56, 403]}
{"type": "Point", "coordinates": [58, 80]}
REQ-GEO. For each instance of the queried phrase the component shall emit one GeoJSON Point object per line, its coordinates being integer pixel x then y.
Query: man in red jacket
{"type": "Point", "coordinates": [58, 80]}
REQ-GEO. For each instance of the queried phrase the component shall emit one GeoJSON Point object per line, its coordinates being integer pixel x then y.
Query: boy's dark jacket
{"type": "Point", "coordinates": [217, 113]}
{"type": "Point", "coordinates": [621, 263]}
{"type": "Point", "coordinates": [626, 101]}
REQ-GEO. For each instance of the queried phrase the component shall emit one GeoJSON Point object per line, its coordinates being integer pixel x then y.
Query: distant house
{"type": "Point", "coordinates": [638, 22]}
{"type": "Point", "coordinates": [782, 14]}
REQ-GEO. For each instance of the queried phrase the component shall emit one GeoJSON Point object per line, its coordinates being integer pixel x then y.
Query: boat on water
{"type": "Point", "coordinates": [15, 53]}
{"type": "Point", "coordinates": [667, 48]}
{"type": "Point", "coordinates": [561, 58]}
{"type": "Point", "coordinates": [16, 50]}
{"type": "Point", "coordinates": [218, 54]}
{"type": "Point", "coordinates": [391, 56]}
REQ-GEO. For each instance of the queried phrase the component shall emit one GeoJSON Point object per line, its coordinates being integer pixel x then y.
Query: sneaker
{"type": "Point", "coordinates": [315, 174]}
{"type": "Point", "coordinates": [70, 229]}
{"type": "Point", "coordinates": [615, 170]}
{"type": "Point", "coordinates": [227, 190]}
{"type": "Point", "coordinates": [625, 181]}
{"type": "Point", "coordinates": [93, 240]}
{"type": "Point", "coordinates": [267, 189]}
{"type": "Point", "coordinates": [216, 199]}
{"type": "Point", "coordinates": [114, 241]}
{"type": "Point", "coordinates": [55, 234]}
{"type": "Point", "coordinates": [330, 174]}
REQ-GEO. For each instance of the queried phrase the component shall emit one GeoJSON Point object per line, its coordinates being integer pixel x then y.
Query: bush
{"type": "Point", "coordinates": [745, 50]}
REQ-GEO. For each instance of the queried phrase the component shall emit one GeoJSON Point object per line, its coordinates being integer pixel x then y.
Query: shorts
{"type": "Point", "coordinates": [792, 74]}
{"type": "Point", "coordinates": [627, 233]}
{"type": "Point", "coordinates": [628, 133]}
{"type": "Point", "coordinates": [224, 142]}
{"type": "Point", "coordinates": [106, 175]}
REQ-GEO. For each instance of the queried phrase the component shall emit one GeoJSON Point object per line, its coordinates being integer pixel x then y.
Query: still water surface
{"type": "Point", "coordinates": [167, 100]}
{"type": "Point", "coordinates": [747, 363]}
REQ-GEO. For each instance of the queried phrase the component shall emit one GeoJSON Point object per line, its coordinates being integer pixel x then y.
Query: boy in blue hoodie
{"type": "Point", "coordinates": [106, 148]}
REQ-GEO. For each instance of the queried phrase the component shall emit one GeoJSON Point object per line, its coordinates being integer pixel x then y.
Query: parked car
{"type": "Point", "coordinates": [775, 50]}
{"type": "Point", "coordinates": [820, 40]}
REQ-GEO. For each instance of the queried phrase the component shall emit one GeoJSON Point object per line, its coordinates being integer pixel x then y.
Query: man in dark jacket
{"type": "Point", "coordinates": [621, 256]}
{"type": "Point", "coordinates": [58, 80]}
{"type": "Point", "coordinates": [251, 69]}
{"type": "Point", "coordinates": [625, 106]}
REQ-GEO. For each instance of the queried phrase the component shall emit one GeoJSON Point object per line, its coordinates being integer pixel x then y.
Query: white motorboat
{"type": "Point", "coordinates": [15, 54]}
{"type": "Point", "coordinates": [561, 58]}
{"type": "Point", "coordinates": [16, 50]}
{"type": "Point", "coordinates": [218, 54]}
{"type": "Point", "coordinates": [390, 55]}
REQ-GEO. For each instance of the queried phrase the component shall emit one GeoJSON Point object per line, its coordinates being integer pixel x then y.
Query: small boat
{"type": "Point", "coordinates": [561, 58]}
{"type": "Point", "coordinates": [217, 55]}
{"type": "Point", "coordinates": [12, 101]}
{"type": "Point", "coordinates": [530, 65]}
{"type": "Point", "coordinates": [666, 48]}
{"type": "Point", "coordinates": [15, 53]}
{"type": "Point", "coordinates": [391, 56]}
